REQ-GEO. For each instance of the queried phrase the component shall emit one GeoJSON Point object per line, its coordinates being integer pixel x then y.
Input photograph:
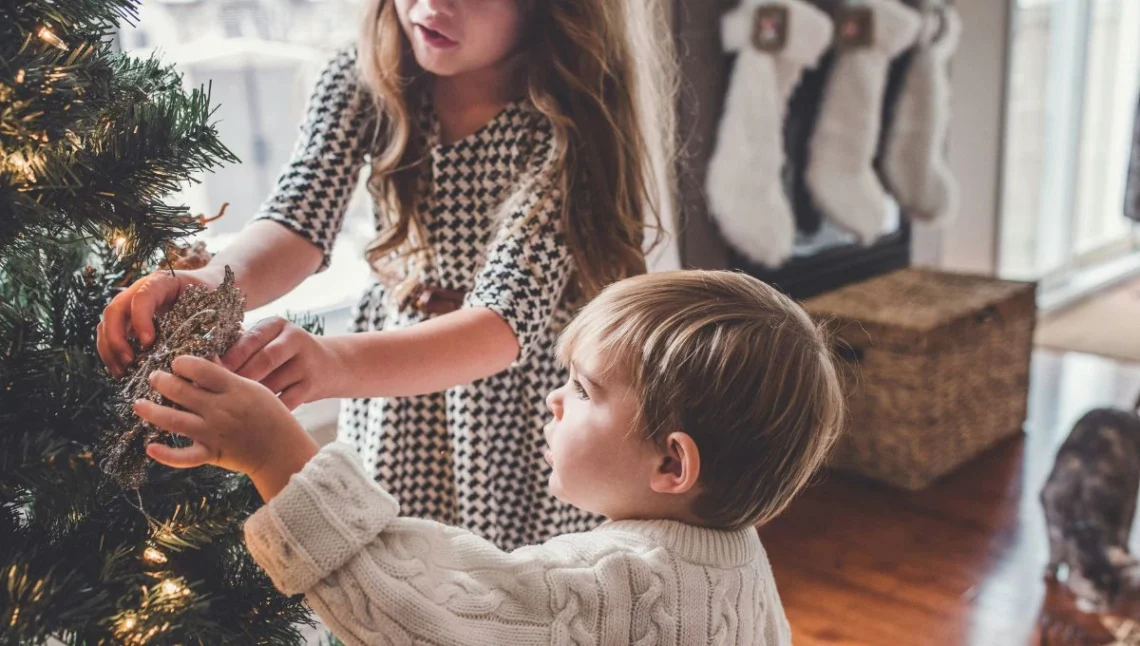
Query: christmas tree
{"type": "Point", "coordinates": [92, 145]}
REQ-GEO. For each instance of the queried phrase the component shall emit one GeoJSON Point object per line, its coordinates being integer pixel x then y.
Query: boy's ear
{"type": "Point", "coordinates": [680, 465]}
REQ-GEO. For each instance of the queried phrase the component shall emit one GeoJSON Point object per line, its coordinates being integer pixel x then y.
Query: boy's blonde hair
{"type": "Point", "coordinates": [735, 364]}
{"type": "Point", "coordinates": [603, 73]}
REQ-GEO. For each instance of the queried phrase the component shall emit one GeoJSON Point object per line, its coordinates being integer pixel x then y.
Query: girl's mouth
{"type": "Point", "coordinates": [435, 38]}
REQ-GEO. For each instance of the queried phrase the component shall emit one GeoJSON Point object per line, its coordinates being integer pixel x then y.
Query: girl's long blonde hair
{"type": "Point", "coordinates": [603, 73]}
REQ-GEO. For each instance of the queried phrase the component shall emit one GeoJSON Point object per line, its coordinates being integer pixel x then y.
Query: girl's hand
{"type": "Point", "coordinates": [235, 423]}
{"type": "Point", "coordinates": [285, 359]}
{"type": "Point", "coordinates": [135, 307]}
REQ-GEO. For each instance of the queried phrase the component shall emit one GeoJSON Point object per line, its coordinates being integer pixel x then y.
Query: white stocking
{"type": "Point", "coordinates": [746, 195]}
{"type": "Point", "coordinates": [840, 173]}
{"type": "Point", "coordinates": [915, 163]}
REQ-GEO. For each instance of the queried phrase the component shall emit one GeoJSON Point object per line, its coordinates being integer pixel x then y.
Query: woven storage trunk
{"type": "Point", "coordinates": [936, 370]}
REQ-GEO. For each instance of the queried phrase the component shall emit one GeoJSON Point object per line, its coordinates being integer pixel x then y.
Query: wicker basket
{"type": "Point", "coordinates": [936, 370]}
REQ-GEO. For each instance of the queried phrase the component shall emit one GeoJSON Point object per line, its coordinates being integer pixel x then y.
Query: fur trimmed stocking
{"type": "Point", "coordinates": [915, 163]}
{"type": "Point", "coordinates": [840, 173]}
{"type": "Point", "coordinates": [776, 41]}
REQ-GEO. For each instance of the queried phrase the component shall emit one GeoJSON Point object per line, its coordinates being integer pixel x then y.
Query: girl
{"type": "Point", "coordinates": [512, 148]}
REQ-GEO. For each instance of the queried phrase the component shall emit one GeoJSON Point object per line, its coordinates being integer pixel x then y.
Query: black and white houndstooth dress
{"type": "Point", "coordinates": [470, 456]}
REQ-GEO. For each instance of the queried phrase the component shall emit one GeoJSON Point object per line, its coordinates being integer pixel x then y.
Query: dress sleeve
{"type": "Point", "coordinates": [313, 190]}
{"type": "Point", "coordinates": [527, 264]}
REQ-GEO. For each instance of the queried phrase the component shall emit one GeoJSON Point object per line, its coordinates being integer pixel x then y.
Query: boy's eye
{"type": "Point", "coordinates": [581, 391]}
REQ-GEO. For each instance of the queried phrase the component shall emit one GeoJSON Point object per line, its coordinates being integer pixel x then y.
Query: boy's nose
{"type": "Point", "coordinates": [554, 403]}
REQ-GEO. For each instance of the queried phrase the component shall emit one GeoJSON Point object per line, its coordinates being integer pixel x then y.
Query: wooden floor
{"type": "Point", "coordinates": [958, 564]}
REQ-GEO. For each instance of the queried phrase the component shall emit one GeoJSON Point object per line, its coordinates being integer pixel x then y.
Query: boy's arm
{"type": "Point", "coordinates": [333, 534]}
{"type": "Point", "coordinates": [296, 449]}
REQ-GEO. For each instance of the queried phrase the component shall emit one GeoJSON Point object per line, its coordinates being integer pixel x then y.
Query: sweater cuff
{"type": "Point", "coordinates": [325, 515]}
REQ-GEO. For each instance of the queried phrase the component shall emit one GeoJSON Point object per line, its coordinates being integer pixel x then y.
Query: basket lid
{"type": "Point", "coordinates": [916, 299]}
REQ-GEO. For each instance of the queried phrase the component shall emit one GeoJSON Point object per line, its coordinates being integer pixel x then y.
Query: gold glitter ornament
{"type": "Point", "coordinates": [202, 323]}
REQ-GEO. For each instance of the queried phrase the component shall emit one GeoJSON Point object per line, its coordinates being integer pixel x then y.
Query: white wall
{"type": "Point", "coordinates": [970, 242]}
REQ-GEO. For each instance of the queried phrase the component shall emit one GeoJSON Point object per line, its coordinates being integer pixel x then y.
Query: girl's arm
{"type": "Point", "coordinates": [292, 236]}
{"type": "Point", "coordinates": [505, 317]}
{"type": "Point", "coordinates": [268, 261]}
{"type": "Point", "coordinates": [301, 217]}
{"type": "Point", "coordinates": [457, 348]}
{"type": "Point", "coordinates": [313, 191]}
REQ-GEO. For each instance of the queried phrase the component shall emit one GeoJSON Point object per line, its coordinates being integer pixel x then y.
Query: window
{"type": "Point", "coordinates": [261, 58]}
{"type": "Point", "coordinates": [1073, 88]}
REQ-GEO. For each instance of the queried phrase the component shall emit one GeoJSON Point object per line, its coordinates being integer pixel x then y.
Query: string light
{"type": "Point", "coordinates": [154, 556]}
{"type": "Point", "coordinates": [174, 588]}
{"type": "Point", "coordinates": [121, 244]}
{"type": "Point", "coordinates": [125, 629]}
{"type": "Point", "coordinates": [22, 165]}
{"type": "Point", "coordinates": [49, 37]}
{"type": "Point", "coordinates": [20, 77]}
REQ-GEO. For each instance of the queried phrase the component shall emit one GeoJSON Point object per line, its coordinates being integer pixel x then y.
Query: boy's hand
{"type": "Point", "coordinates": [285, 359]}
{"type": "Point", "coordinates": [235, 423]}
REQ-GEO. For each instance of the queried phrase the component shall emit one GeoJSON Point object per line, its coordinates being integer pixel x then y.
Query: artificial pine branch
{"type": "Point", "coordinates": [92, 146]}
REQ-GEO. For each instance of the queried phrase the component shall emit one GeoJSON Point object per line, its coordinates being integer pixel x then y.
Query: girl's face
{"type": "Point", "coordinates": [453, 37]}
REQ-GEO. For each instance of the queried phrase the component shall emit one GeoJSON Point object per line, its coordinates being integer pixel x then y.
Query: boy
{"type": "Point", "coordinates": [699, 404]}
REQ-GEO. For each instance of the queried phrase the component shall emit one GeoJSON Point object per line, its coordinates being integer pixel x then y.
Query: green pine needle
{"type": "Point", "coordinates": [93, 145]}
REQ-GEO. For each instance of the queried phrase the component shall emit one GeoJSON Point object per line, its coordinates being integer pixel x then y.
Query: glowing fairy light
{"type": "Point", "coordinates": [22, 165]}
{"type": "Point", "coordinates": [49, 37]}
{"type": "Point", "coordinates": [20, 77]}
{"type": "Point", "coordinates": [154, 556]}
{"type": "Point", "coordinates": [173, 588]}
{"type": "Point", "coordinates": [125, 629]}
{"type": "Point", "coordinates": [120, 243]}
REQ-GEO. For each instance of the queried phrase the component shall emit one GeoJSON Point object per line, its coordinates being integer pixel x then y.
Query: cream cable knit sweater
{"type": "Point", "coordinates": [374, 578]}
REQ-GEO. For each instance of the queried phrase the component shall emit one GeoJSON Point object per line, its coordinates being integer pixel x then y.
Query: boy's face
{"type": "Point", "coordinates": [451, 37]}
{"type": "Point", "coordinates": [601, 462]}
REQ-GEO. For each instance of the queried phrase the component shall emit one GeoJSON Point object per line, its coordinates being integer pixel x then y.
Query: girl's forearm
{"type": "Point", "coordinates": [268, 261]}
{"type": "Point", "coordinates": [457, 348]}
